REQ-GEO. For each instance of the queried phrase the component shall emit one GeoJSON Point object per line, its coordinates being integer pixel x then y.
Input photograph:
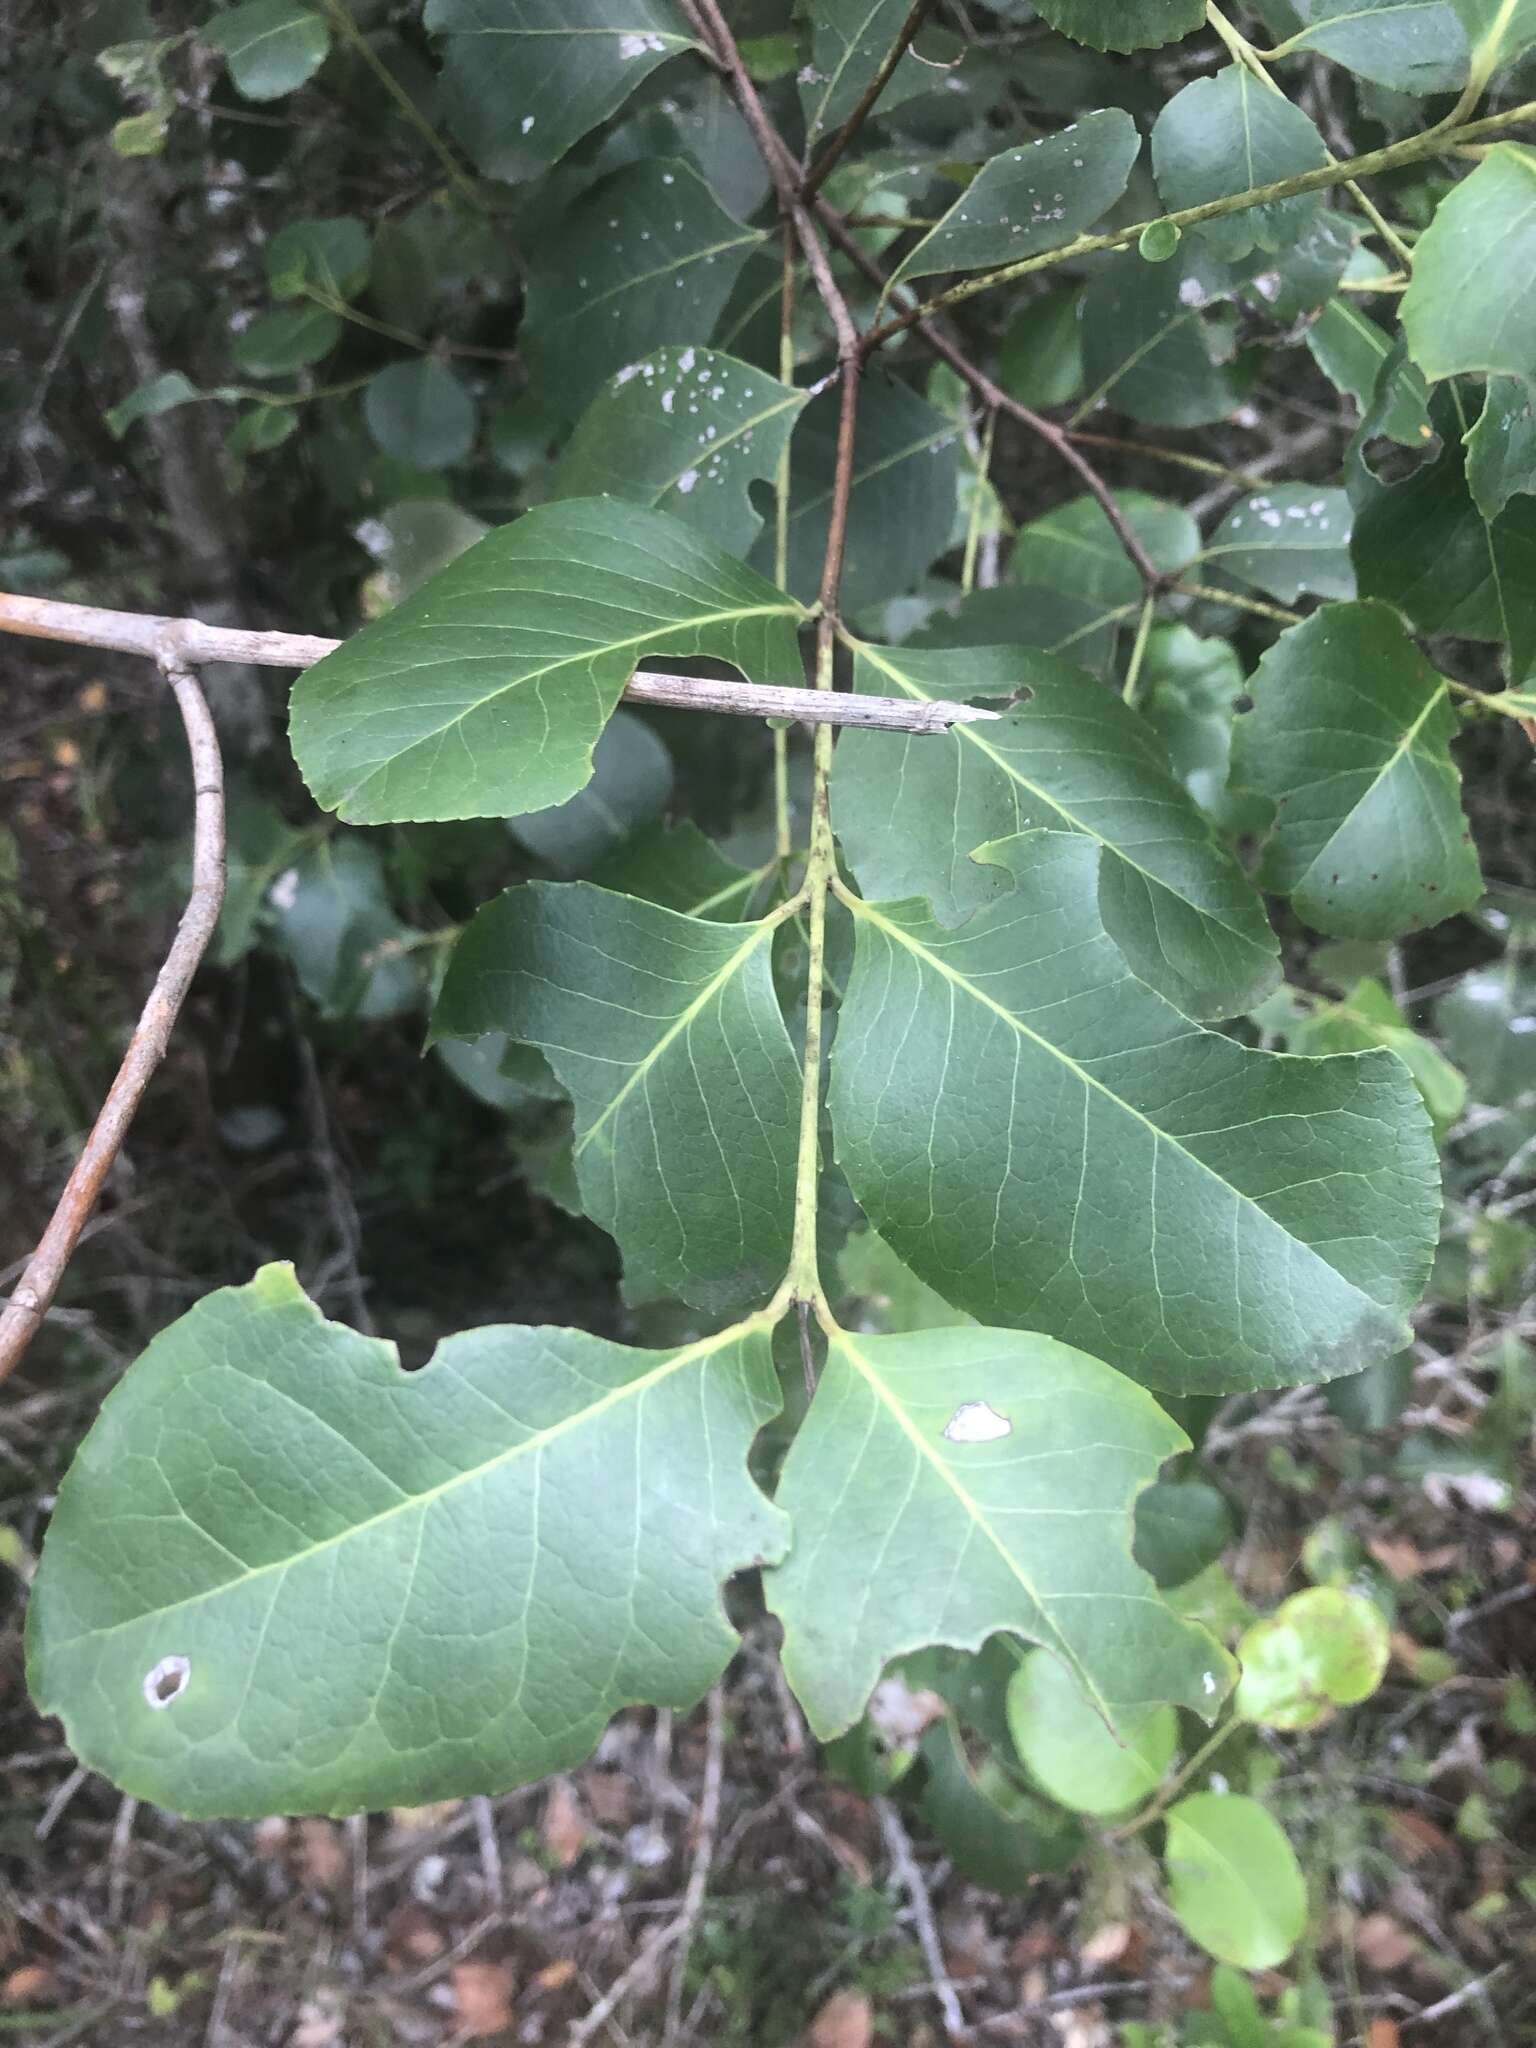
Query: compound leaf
{"type": "Point", "coordinates": [667, 1033]}
{"type": "Point", "coordinates": [484, 692]}
{"type": "Point", "coordinates": [349, 1587]}
{"type": "Point", "coordinates": [951, 1483]}
{"type": "Point", "coordinates": [1050, 1145]}
{"type": "Point", "coordinates": [1069, 755]}
{"type": "Point", "coordinates": [1350, 737]}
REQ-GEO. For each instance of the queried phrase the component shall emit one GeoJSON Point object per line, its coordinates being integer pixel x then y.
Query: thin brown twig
{"type": "Point", "coordinates": [190, 641]}
{"type": "Point", "coordinates": [816, 177]}
{"type": "Point", "coordinates": [30, 1299]}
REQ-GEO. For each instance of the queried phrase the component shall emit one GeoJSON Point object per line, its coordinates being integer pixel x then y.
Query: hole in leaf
{"type": "Point", "coordinates": [977, 1422]}
{"type": "Point", "coordinates": [167, 1681]}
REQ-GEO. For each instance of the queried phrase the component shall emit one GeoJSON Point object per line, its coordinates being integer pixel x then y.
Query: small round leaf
{"type": "Point", "coordinates": [1233, 1880]}
{"type": "Point", "coordinates": [1159, 240]}
{"type": "Point", "coordinates": [1321, 1649]}
{"type": "Point", "coordinates": [420, 413]}
{"type": "Point", "coordinates": [1071, 1753]}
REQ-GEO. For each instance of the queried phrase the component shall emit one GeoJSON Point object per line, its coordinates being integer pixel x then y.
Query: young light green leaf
{"type": "Point", "coordinates": [483, 693]}
{"type": "Point", "coordinates": [525, 79]}
{"type": "Point", "coordinates": [329, 255]}
{"type": "Point", "coordinates": [421, 413]}
{"type": "Point", "coordinates": [1070, 1753]}
{"type": "Point", "coordinates": [1069, 755]}
{"type": "Point", "coordinates": [1288, 539]}
{"type": "Point", "coordinates": [1501, 447]}
{"type": "Point", "coordinates": [288, 340]}
{"type": "Point", "coordinates": [1471, 305]}
{"type": "Point", "coordinates": [1233, 1880]}
{"type": "Point", "coordinates": [1145, 346]}
{"type": "Point", "coordinates": [1115, 25]}
{"type": "Point", "coordinates": [906, 464]}
{"type": "Point", "coordinates": [1350, 737]}
{"type": "Point", "coordinates": [849, 41]}
{"type": "Point", "coordinates": [1225, 135]}
{"type": "Point", "coordinates": [631, 782]}
{"type": "Point", "coordinates": [1032, 198]}
{"type": "Point", "coordinates": [272, 47]}
{"type": "Point", "coordinates": [667, 1033]}
{"type": "Point", "coordinates": [939, 1492]}
{"type": "Point", "coordinates": [1417, 46]}
{"type": "Point", "coordinates": [1321, 1649]}
{"type": "Point", "coordinates": [688, 430]}
{"type": "Point", "coordinates": [540, 1517]}
{"type": "Point", "coordinates": [646, 257]}
{"type": "Point", "coordinates": [1050, 1145]}
{"type": "Point", "coordinates": [160, 394]}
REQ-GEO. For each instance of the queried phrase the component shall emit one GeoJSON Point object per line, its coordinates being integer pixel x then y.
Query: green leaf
{"type": "Point", "coordinates": [1471, 305]}
{"type": "Point", "coordinates": [994, 1833]}
{"type": "Point", "coordinates": [1145, 346]}
{"type": "Point", "coordinates": [677, 867]}
{"type": "Point", "coordinates": [1123, 24]}
{"type": "Point", "coordinates": [1351, 351]}
{"type": "Point", "coordinates": [145, 401]}
{"type": "Point", "coordinates": [667, 1033]}
{"type": "Point", "coordinates": [261, 427]}
{"type": "Point", "coordinates": [1075, 549]}
{"type": "Point", "coordinates": [414, 538]}
{"type": "Point", "coordinates": [1350, 737]}
{"type": "Point", "coordinates": [646, 257]}
{"type": "Point", "coordinates": [1417, 46]}
{"type": "Point", "coordinates": [1049, 1144]}
{"type": "Point", "coordinates": [523, 80]}
{"type": "Point", "coordinates": [420, 413]}
{"type": "Point", "coordinates": [937, 1492]}
{"type": "Point", "coordinates": [906, 465]}
{"type": "Point", "coordinates": [1288, 539]}
{"type": "Point", "coordinates": [1032, 198]}
{"type": "Point", "coordinates": [276, 344]}
{"type": "Point", "coordinates": [1488, 1022]}
{"type": "Point", "coordinates": [1182, 1526]}
{"type": "Point", "coordinates": [1070, 1753]}
{"type": "Point", "coordinates": [1320, 1649]}
{"type": "Point", "coordinates": [331, 255]}
{"type": "Point", "coordinates": [1501, 447]}
{"type": "Point", "coordinates": [1040, 358]}
{"type": "Point", "coordinates": [631, 782]}
{"type": "Point", "coordinates": [889, 1296]}
{"type": "Point", "coordinates": [1159, 241]}
{"type": "Point", "coordinates": [1368, 1016]}
{"type": "Point", "coordinates": [1189, 691]}
{"type": "Point", "coordinates": [272, 47]}
{"type": "Point", "coordinates": [483, 694]}
{"type": "Point", "coordinates": [1225, 135]}
{"type": "Point", "coordinates": [688, 430]}
{"type": "Point", "coordinates": [849, 42]}
{"type": "Point", "coordinates": [1233, 1880]}
{"type": "Point", "coordinates": [333, 919]}
{"type": "Point", "coordinates": [353, 1587]}
{"type": "Point", "coordinates": [1499, 31]}
{"type": "Point", "coordinates": [261, 845]}
{"type": "Point", "coordinates": [910, 812]}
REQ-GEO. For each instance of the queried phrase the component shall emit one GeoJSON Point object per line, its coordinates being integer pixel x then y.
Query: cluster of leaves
{"type": "Point", "coordinates": [987, 1025]}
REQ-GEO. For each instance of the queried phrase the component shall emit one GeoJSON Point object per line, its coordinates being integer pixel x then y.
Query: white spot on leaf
{"type": "Point", "coordinates": [167, 1682]}
{"type": "Point", "coordinates": [284, 892]}
{"type": "Point", "coordinates": [687, 480]}
{"type": "Point", "coordinates": [977, 1422]}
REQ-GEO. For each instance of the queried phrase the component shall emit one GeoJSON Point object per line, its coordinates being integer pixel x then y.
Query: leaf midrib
{"type": "Point", "coordinates": [1404, 746]}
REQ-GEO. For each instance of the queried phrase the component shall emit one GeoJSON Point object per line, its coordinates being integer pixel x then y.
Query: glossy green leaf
{"type": "Point", "coordinates": [940, 1490]}
{"type": "Point", "coordinates": [1416, 46]}
{"type": "Point", "coordinates": [523, 80]}
{"type": "Point", "coordinates": [646, 257]}
{"type": "Point", "coordinates": [1501, 447]}
{"type": "Point", "coordinates": [1471, 305]}
{"type": "Point", "coordinates": [483, 694]}
{"type": "Point", "coordinates": [1040, 358]}
{"type": "Point", "coordinates": [421, 413]}
{"type": "Point", "coordinates": [906, 464]}
{"type": "Point", "coordinates": [1350, 738]}
{"type": "Point", "coordinates": [1225, 135]}
{"type": "Point", "coordinates": [1070, 1753]}
{"type": "Point", "coordinates": [1321, 1649]}
{"type": "Point", "coordinates": [332, 917]}
{"type": "Point", "coordinates": [272, 47]}
{"type": "Point", "coordinates": [277, 343]}
{"type": "Point", "coordinates": [631, 782]}
{"type": "Point", "coordinates": [688, 430]}
{"type": "Point", "coordinates": [1183, 1526]}
{"type": "Point", "coordinates": [1124, 24]}
{"type": "Point", "coordinates": [1069, 755]}
{"type": "Point", "coordinates": [1049, 1144]}
{"type": "Point", "coordinates": [1233, 1880]}
{"type": "Point", "coordinates": [1146, 350]}
{"type": "Point", "coordinates": [849, 41]}
{"type": "Point", "coordinates": [327, 255]}
{"type": "Point", "coordinates": [666, 1031]}
{"type": "Point", "coordinates": [353, 1587]}
{"type": "Point", "coordinates": [1032, 198]}
{"type": "Point", "coordinates": [1286, 540]}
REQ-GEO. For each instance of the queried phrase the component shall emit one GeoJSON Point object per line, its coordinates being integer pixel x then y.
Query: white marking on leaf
{"type": "Point", "coordinates": [687, 480]}
{"type": "Point", "coordinates": [977, 1422]}
{"type": "Point", "coordinates": [166, 1682]}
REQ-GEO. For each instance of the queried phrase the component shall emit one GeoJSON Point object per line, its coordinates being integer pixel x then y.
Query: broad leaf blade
{"type": "Point", "coordinates": [1050, 1145]}
{"type": "Point", "coordinates": [1350, 737]}
{"type": "Point", "coordinates": [1145, 349]}
{"type": "Point", "coordinates": [483, 694]}
{"type": "Point", "coordinates": [1472, 303]}
{"type": "Point", "coordinates": [1225, 135]}
{"type": "Point", "coordinates": [1116, 25]}
{"type": "Point", "coordinates": [1072, 756]}
{"type": "Point", "coordinates": [1501, 448]}
{"type": "Point", "coordinates": [272, 47]}
{"type": "Point", "coordinates": [1033, 198]}
{"type": "Point", "coordinates": [667, 1033]}
{"type": "Point", "coordinates": [1417, 46]}
{"type": "Point", "coordinates": [525, 79]}
{"type": "Point", "coordinates": [849, 42]}
{"type": "Point", "coordinates": [366, 1588]}
{"type": "Point", "coordinates": [688, 430]}
{"type": "Point", "coordinates": [939, 1491]}
{"type": "Point", "coordinates": [1288, 539]}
